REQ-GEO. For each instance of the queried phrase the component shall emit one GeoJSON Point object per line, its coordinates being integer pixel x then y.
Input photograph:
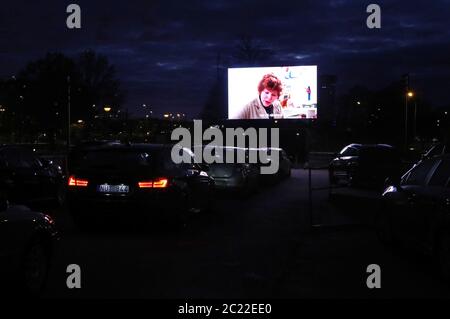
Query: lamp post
{"type": "Point", "coordinates": [415, 118]}
{"type": "Point", "coordinates": [409, 94]}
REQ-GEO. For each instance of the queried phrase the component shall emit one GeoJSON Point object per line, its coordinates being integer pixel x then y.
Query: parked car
{"type": "Point", "coordinates": [27, 240]}
{"type": "Point", "coordinates": [139, 178]}
{"type": "Point", "coordinates": [241, 177]}
{"type": "Point", "coordinates": [284, 165]}
{"type": "Point", "coordinates": [416, 210]}
{"type": "Point", "coordinates": [364, 165]}
{"type": "Point", "coordinates": [28, 179]}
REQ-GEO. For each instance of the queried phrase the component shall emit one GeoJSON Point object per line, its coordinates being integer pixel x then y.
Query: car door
{"type": "Point", "coordinates": [409, 221]}
{"type": "Point", "coordinates": [23, 183]}
{"type": "Point", "coordinates": [434, 199]}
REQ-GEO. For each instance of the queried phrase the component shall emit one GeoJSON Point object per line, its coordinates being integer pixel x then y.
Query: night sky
{"type": "Point", "coordinates": [165, 52]}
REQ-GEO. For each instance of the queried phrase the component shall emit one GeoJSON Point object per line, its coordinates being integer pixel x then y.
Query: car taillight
{"type": "Point", "coordinates": [73, 181]}
{"type": "Point", "coordinates": [156, 183]}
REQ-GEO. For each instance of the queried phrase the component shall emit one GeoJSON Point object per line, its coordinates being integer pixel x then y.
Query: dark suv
{"type": "Point", "coordinates": [364, 165]}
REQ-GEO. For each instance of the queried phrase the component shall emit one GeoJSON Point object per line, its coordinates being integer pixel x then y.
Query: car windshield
{"type": "Point", "coordinates": [349, 151]}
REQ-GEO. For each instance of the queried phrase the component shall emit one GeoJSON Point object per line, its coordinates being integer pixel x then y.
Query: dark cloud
{"type": "Point", "coordinates": [165, 52]}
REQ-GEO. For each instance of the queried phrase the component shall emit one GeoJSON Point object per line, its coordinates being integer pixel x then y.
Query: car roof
{"type": "Point", "coordinates": [370, 146]}
{"type": "Point", "coordinates": [359, 146]}
{"type": "Point", "coordinates": [137, 146]}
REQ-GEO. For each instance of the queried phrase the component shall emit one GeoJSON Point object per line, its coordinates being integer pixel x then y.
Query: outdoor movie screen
{"type": "Point", "coordinates": [287, 92]}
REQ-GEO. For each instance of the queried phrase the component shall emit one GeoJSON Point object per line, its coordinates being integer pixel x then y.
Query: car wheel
{"type": "Point", "coordinates": [383, 228]}
{"type": "Point", "coordinates": [443, 254]}
{"type": "Point", "coordinates": [34, 268]}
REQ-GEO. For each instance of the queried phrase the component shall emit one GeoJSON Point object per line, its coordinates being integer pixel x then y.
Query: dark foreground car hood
{"type": "Point", "coordinates": [19, 214]}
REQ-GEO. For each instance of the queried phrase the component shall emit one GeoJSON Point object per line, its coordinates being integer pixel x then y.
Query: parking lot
{"type": "Point", "coordinates": [263, 246]}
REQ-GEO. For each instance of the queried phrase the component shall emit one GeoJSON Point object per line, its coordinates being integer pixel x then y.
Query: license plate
{"type": "Point", "coordinates": [106, 188]}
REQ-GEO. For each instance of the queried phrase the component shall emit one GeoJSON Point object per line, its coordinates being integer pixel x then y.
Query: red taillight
{"type": "Point", "coordinates": [157, 183]}
{"type": "Point", "coordinates": [77, 182]}
{"type": "Point", "coordinates": [160, 183]}
{"type": "Point", "coordinates": [145, 184]}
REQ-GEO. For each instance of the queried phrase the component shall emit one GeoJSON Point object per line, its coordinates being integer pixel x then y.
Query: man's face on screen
{"type": "Point", "coordinates": [268, 96]}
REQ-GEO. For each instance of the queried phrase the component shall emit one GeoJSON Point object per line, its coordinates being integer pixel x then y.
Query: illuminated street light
{"type": "Point", "coordinates": [80, 121]}
{"type": "Point", "coordinates": [409, 94]}
{"type": "Point", "coordinates": [107, 108]}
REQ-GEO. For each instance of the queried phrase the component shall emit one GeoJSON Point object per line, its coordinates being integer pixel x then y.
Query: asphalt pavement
{"type": "Point", "coordinates": [274, 244]}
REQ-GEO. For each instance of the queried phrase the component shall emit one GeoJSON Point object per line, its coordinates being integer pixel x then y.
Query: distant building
{"type": "Point", "coordinates": [327, 98]}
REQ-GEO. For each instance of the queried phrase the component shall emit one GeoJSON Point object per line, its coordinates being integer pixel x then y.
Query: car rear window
{"type": "Point", "coordinates": [117, 159]}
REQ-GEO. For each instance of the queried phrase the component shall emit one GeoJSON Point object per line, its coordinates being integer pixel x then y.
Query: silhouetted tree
{"type": "Point", "coordinates": [98, 85]}
{"type": "Point", "coordinates": [250, 52]}
{"type": "Point", "coordinates": [45, 90]}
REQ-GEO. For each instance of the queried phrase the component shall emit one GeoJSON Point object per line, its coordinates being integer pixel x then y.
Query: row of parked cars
{"type": "Point", "coordinates": [105, 177]}
{"type": "Point", "coordinates": [112, 176]}
{"type": "Point", "coordinates": [415, 205]}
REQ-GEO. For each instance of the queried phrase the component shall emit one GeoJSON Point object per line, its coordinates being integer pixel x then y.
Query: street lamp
{"type": "Point", "coordinates": [107, 109]}
{"type": "Point", "coordinates": [409, 94]}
